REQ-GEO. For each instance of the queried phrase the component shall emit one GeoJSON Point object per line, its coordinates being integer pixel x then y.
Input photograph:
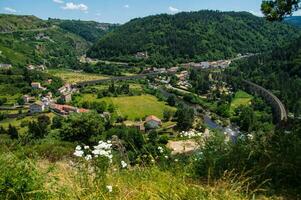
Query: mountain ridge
{"type": "Point", "coordinates": [192, 36]}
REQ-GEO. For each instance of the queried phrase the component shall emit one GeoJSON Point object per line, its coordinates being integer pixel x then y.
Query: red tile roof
{"type": "Point", "coordinates": [152, 117]}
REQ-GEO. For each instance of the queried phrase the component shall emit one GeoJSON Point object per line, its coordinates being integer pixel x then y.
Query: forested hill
{"type": "Point", "coordinates": [56, 43]}
{"type": "Point", "coordinates": [294, 20]}
{"type": "Point", "coordinates": [203, 35]}
{"type": "Point", "coordinates": [9, 23]}
{"type": "Point", "coordinates": [279, 71]}
{"type": "Point", "coordinates": [89, 30]}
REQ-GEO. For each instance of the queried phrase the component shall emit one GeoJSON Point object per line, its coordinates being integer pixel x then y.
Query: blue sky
{"type": "Point", "coordinates": [119, 11]}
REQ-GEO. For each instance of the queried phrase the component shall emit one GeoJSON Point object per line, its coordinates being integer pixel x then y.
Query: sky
{"type": "Point", "coordinates": [119, 11]}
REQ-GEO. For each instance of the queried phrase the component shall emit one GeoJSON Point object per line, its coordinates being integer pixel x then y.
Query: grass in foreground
{"type": "Point", "coordinates": [136, 184]}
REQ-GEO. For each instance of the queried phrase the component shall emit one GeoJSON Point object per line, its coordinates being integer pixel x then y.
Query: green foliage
{"type": "Point", "coordinates": [12, 132]}
{"type": "Point", "coordinates": [56, 43]}
{"type": "Point", "coordinates": [81, 127]}
{"type": "Point", "coordinates": [39, 129]}
{"type": "Point", "coordinates": [19, 179]}
{"type": "Point", "coordinates": [197, 36]}
{"type": "Point", "coordinates": [89, 30]}
{"type": "Point", "coordinates": [184, 117]}
{"type": "Point", "coordinates": [279, 71]}
{"type": "Point", "coordinates": [277, 9]}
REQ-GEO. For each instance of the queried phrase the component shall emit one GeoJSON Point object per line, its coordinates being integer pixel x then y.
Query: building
{"type": "Point", "coordinates": [66, 109]}
{"type": "Point", "coordinates": [37, 85]}
{"type": "Point", "coordinates": [152, 122]}
{"type": "Point", "coordinates": [65, 89]}
{"type": "Point", "coordinates": [28, 99]}
{"type": "Point", "coordinates": [173, 69]}
{"type": "Point", "coordinates": [67, 97]}
{"type": "Point", "coordinates": [5, 66]}
{"type": "Point", "coordinates": [142, 55]}
{"type": "Point", "coordinates": [37, 107]}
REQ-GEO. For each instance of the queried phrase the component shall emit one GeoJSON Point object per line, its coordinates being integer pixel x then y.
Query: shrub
{"type": "Point", "coordinates": [19, 179]}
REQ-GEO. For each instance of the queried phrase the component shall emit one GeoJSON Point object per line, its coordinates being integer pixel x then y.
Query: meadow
{"type": "Point", "coordinates": [241, 98]}
{"type": "Point", "coordinates": [70, 76]}
{"type": "Point", "coordinates": [17, 122]}
{"type": "Point", "coordinates": [134, 107]}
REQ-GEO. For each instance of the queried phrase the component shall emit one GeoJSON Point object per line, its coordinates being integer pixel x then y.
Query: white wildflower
{"type": "Point", "coordinates": [166, 157]}
{"type": "Point", "coordinates": [88, 157]}
{"type": "Point", "coordinates": [176, 160]}
{"type": "Point", "coordinates": [86, 147]}
{"type": "Point", "coordinates": [161, 150]}
{"type": "Point", "coordinates": [110, 188]}
{"type": "Point", "coordinates": [250, 136]}
{"type": "Point", "coordinates": [78, 153]}
{"type": "Point", "coordinates": [78, 148]}
{"type": "Point", "coordinates": [123, 164]}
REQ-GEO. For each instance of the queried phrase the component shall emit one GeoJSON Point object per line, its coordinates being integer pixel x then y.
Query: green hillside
{"type": "Point", "coordinates": [89, 30]}
{"type": "Point", "coordinates": [294, 20]}
{"type": "Point", "coordinates": [16, 22]}
{"type": "Point", "coordinates": [279, 71]}
{"type": "Point", "coordinates": [203, 35]}
{"type": "Point", "coordinates": [56, 43]}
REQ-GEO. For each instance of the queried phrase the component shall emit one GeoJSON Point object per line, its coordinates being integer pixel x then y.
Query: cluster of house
{"type": "Point", "coordinates": [220, 64]}
{"type": "Point", "coordinates": [5, 66]}
{"type": "Point", "coordinates": [142, 54]}
{"type": "Point", "coordinates": [183, 82]}
{"type": "Point", "coordinates": [66, 92]}
{"type": "Point", "coordinates": [47, 102]}
{"type": "Point", "coordinates": [160, 70]}
{"type": "Point", "coordinates": [151, 122]}
{"type": "Point", "coordinates": [37, 67]}
{"type": "Point", "coordinates": [42, 36]}
{"type": "Point", "coordinates": [66, 109]}
{"type": "Point", "coordinates": [37, 86]}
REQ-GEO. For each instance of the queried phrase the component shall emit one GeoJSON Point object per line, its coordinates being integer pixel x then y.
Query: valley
{"type": "Point", "coordinates": [190, 105]}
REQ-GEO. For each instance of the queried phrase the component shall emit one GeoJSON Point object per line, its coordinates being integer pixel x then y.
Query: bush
{"type": "Point", "coordinates": [19, 179]}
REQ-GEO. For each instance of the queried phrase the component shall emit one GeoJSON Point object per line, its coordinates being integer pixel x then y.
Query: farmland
{"type": "Point", "coordinates": [70, 76]}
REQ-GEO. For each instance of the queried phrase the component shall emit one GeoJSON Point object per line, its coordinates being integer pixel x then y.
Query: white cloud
{"type": "Point", "coordinates": [297, 13]}
{"type": "Point", "coordinates": [258, 14]}
{"type": "Point", "coordinates": [73, 6]}
{"type": "Point", "coordinates": [11, 10]}
{"type": "Point", "coordinates": [58, 1]}
{"type": "Point", "coordinates": [127, 6]}
{"type": "Point", "coordinates": [173, 9]}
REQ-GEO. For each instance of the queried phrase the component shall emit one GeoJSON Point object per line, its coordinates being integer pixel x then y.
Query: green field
{"type": "Point", "coordinates": [17, 122]}
{"type": "Point", "coordinates": [241, 98]}
{"type": "Point", "coordinates": [69, 76]}
{"type": "Point", "coordinates": [131, 106]}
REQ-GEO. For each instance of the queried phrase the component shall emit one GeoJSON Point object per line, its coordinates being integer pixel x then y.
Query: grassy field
{"type": "Point", "coordinates": [241, 98]}
{"type": "Point", "coordinates": [69, 76]}
{"type": "Point", "coordinates": [131, 106]}
{"type": "Point", "coordinates": [139, 106]}
{"type": "Point", "coordinates": [17, 122]}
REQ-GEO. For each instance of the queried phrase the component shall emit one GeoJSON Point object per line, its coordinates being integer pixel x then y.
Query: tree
{"type": "Point", "coordinates": [168, 114]}
{"type": "Point", "coordinates": [81, 127]}
{"type": "Point", "coordinates": [171, 100]}
{"type": "Point", "coordinates": [247, 118]}
{"type": "Point", "coordinates": [278, 9]}
{"type": "Point", "coordinates": [12, 132]}
{"type": "Point", "coordinates": [185, 117]}
{"type": "Point", "coordinates": [39, 129]}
